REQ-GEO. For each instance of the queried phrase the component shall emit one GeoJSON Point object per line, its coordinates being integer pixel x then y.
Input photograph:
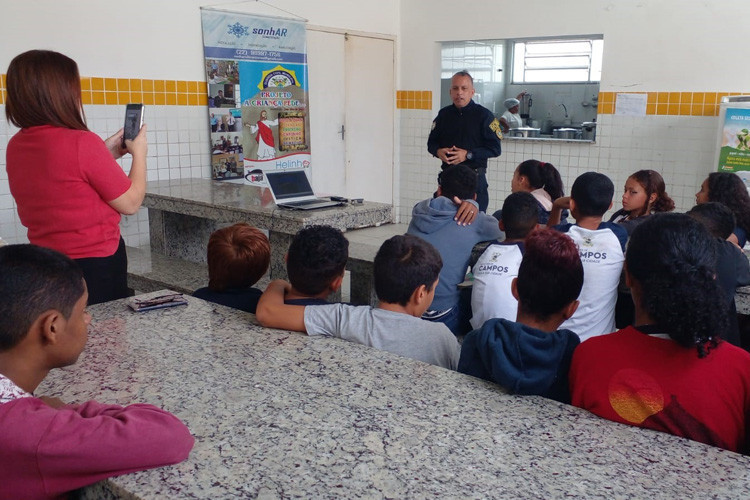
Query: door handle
{"type": "Point", "coordinates": [342, 132]}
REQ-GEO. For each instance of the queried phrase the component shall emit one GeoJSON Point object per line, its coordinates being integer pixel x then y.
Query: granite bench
{"type": "Point", "coordinates": [149, 271]}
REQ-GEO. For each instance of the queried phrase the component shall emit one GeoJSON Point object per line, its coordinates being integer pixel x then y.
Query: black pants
{"type": "Point", "coordinates": [106, 277]}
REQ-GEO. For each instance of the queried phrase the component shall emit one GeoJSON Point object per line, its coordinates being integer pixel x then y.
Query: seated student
{"type": "Point", "coordinates": [315, 264]}
{"type": "Point", "coordinates": [238, 256]}
{"type": "Point", "coordinates": [729, 189]}
{"type": "Point", "coordinates": [602, 249]}
{"type": "Point", "coordinates": [48, 447]}
{"type": "Point", "coordinates": [543, 181]}
{"type": "Point", "coordinates": [531, 356]}
{"type": "Point", "coordinates": [405, 273]}
{"type": "Point", "coordinates": [497, 267]}
{"type": "Point", "coordinates": [645, 194]}
{"type": "Point", "coordinates": [732, 267]}
{"type": "Point", "coordinates": [433, 221]}
{"type": "Point", "coordinates": [671, 372]}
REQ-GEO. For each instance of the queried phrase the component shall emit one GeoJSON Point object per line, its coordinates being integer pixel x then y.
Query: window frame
{"type": "Point", "coordinates": [593, 68]}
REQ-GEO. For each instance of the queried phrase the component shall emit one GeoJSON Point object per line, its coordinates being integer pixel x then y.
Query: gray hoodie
{"type": "Point", "coordinates": [432, 220]}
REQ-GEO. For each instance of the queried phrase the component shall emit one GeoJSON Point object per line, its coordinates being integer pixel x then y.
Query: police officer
{"type": "Point", "coordinates": [466, 133]}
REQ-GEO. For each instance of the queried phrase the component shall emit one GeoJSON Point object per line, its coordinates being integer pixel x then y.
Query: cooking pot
{"type": "Point", "coordinates": [588, 131]}
{"type": "Point", "coordinates": [564, 133]}
{"type": "Point", "coordinates": [524, 132]}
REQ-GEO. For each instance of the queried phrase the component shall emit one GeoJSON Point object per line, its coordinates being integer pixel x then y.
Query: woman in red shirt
{"type": "Point", "coordinates": [68, 188]}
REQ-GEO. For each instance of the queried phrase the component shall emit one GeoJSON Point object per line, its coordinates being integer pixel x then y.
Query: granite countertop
{"type": "Point", "coordinates": [279, 414]}
{"type": "Point", "coordinates": [236, 202]}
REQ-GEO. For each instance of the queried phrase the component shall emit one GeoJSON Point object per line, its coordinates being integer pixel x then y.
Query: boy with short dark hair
{"type": "Point", "coordinates": [406, 271]}
{"type": "Point", "coordinates": [602, 249]}
{"type": "Point", "coordinates": [732, 267]}
{"type": "Point", "coordinates": [531, 356]}
{"type": "Point", "coordinates": [238, 256]}
{"type": "Point", "coordinates": [433, 220]}
{"type": "Point", "coordinates": [48, 447]}
{"type": "Point", "coordinates": [497, 267]}
{"type": "Point", "coordinates": [315, 264]}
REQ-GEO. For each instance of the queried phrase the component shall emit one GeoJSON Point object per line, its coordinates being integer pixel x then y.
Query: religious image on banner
{"type": "Point", "coordinates": [256, 69]}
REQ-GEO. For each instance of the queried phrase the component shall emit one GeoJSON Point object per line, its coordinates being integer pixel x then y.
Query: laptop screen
{"type": "Point", "coordinates": [289, 184]}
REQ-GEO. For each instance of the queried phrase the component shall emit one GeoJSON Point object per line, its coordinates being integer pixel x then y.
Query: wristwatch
{"type": "Point", "coordinates": [469, 155]}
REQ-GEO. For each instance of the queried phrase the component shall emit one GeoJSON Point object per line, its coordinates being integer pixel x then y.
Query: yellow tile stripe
{"type": "Point", "coordinates": [657, 103]}
{"type": "Point", "coordinates": [671, 103]}
{"type": "Point", "coordinates": [120, 91]}
{"type": "Point", "coordinates": [414, 99]}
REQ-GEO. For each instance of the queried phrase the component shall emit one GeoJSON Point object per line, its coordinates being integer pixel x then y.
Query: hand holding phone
{"type": "Point", "coordinates": [133, 121]}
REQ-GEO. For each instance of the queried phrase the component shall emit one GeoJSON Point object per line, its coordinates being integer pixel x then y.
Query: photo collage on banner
{"type": "Point", "coordinates": [256, 69]}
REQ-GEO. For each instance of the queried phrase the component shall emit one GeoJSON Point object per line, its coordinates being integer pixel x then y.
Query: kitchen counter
{"type": "Point", "coordinates": [183, 214]}
{"type": "Point", "coordinates": [278, 414]}
{"type": "Point", "coordinates": [548, 139]}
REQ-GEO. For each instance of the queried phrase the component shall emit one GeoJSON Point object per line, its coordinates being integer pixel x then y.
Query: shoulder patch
{"type": "Point", "coordinates": [494, 126]}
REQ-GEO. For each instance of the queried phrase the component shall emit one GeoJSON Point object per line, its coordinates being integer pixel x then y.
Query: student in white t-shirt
{"type": "Point", "coordinates": [602, 249]}
{"type": "Point", "coordinates": [497, 267]}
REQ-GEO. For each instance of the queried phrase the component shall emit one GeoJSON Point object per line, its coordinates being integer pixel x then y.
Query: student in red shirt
{"type": "Point", "coordinates": [671, 372]}
{"type": "Point", "coordinates": [49, 447]}
{"type": "Point", "coordinates": [68, 188]}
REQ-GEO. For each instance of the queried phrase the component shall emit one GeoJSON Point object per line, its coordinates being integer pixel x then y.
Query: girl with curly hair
{"type": "Point", "coordinates": [672, 372]}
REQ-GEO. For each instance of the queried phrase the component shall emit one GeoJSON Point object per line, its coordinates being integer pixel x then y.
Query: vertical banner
{"type": "Point", "coordinates": [734, 155]}
{"type": "Point", "coordinates": [256, 69]}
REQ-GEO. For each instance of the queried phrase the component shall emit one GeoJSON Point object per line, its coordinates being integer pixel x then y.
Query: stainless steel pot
{"type": "Point", "coordinates": [588, 131]}
{"type": "Point", "coordinates": [524, 132]}
{"type": "Point", "coordinates": [564, 133]}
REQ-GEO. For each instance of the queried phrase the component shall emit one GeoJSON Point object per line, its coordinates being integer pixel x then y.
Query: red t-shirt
{"type": "Point", "coordinates": [652, 382]}
{"type": "Point", "coordinates": [62, 181]}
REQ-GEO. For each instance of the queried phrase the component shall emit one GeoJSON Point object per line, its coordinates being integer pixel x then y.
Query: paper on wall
{"type": "Point", "coordinates": [631, 104]}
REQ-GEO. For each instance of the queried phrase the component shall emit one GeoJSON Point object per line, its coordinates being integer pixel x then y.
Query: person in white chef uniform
{"type": "Point", "coordinates": [511, 118]}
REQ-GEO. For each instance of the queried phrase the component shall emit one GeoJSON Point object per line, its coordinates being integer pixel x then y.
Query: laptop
{"type": "Point", "coordinates": [292, 189]}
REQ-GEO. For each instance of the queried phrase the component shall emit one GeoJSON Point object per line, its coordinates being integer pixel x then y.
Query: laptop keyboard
{"type": "Point", "coordinates": [305, 203]}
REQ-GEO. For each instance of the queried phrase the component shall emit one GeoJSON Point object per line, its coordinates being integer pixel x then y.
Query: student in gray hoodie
{"type": "Point", "coordinates": [531, 356]}
{"type": "Point", "coordinates": [434, 220]}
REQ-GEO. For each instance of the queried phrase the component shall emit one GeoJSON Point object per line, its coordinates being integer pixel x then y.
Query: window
{"type": "Point", "coordinates": [562, 60]}
{"type": "Point", "coordinates": [483, 59]}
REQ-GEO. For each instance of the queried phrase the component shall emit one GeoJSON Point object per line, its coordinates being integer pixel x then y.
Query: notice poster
{"type": "Point", "coordinates": [734, 155]}
{"type": "Point", "coordinates": [256, 69]}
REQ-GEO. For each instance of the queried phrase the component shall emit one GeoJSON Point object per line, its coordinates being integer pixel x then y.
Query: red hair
{"type": "Point", "coordinates": [44, 88]}
{"type": "Point", "coordinates": [238, 256]}
{"type": "Point", "coordinates": [551, 274]}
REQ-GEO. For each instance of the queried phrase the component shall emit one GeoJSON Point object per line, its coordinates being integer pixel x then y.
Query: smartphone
{"type": "Point", "coordinates": [133, 121]}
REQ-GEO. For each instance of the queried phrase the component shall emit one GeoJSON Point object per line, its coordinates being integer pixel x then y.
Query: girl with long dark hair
{"type": "Point", "coordinates": [671, 372]}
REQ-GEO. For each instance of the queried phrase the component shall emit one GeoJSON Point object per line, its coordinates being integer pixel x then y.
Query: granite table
{"type": "Point", "coordinates": [278, 414]}
{"type": "Point", "coordinates": [183, 214]}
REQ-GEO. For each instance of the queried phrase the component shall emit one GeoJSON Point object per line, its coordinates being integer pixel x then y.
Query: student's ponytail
{"type": "Point", "coordinates": [542, 175]}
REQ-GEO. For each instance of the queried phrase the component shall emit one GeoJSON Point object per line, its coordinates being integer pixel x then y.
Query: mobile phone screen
{"type": "Point", "coordinates": [133, 120]}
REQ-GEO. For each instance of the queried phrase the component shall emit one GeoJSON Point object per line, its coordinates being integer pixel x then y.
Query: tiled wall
{"type": "Point", "coordinates": [414, 99]}
{"type": "Point", "coordinates": [680, 147]}
{"type": "Point", "coordinates": [121, 91]}
{"type": "Point", "coordinates": [178, 141]}
{"type": "Point", "coordinates": [677, 137]}
{"type": "Point", "coordinates": [671, 103]}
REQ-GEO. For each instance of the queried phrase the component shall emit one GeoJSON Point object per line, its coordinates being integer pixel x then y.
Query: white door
{"type": "Point", "coordinates": [370, 103]}
{"type": "Point", "coordinates": [326, 65]}
{"type": "Point", "coordinates": [352, 101]}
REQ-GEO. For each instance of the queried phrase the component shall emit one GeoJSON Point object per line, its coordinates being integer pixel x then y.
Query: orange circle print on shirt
{"type": "Point", "coordinates": [635, 395]}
